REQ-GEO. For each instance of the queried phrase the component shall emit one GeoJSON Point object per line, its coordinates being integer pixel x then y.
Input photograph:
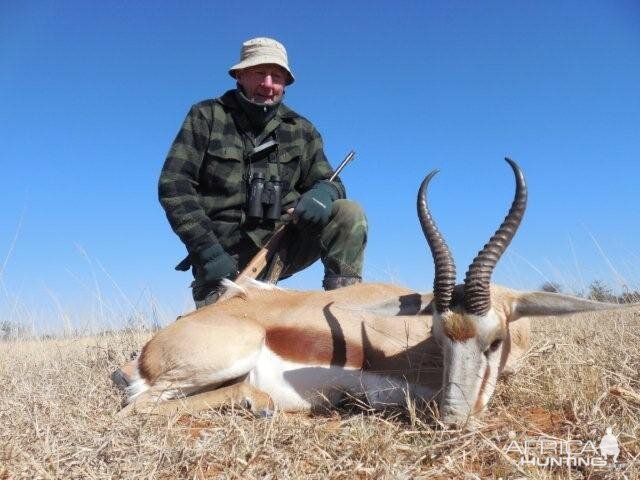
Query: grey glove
{"type": "Point", "coordinates": [314, 207]}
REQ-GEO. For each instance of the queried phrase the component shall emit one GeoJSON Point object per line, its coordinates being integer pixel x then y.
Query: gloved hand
{"type": "Point", "coordinates": [214, 264]}
{"type": "Point", "coordinates": [314, 207]}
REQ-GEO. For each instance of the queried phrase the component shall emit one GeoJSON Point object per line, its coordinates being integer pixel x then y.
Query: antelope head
{"type": "Point", "coordinates": [471, 321]}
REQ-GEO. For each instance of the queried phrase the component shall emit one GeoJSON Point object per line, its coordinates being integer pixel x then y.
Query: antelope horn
{"type": "Point", "coordinates": [445, 275]}
{"type": "Point", "coordinates": [476, 283]}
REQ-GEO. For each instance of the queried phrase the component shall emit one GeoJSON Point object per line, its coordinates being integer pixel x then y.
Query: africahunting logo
{"type": "Point", "coordinates": [549, 452]}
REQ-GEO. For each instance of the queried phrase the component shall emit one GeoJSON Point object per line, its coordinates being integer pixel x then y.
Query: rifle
{"type": "Point", "coordinates": [271, 256]}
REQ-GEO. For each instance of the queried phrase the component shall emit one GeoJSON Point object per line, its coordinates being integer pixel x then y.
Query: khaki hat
{"type": "Point", "coordinates": [262, 50]}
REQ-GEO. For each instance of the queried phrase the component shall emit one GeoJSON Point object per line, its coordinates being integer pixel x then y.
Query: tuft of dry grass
{"type": "Point", "coordinates": [57, 418]}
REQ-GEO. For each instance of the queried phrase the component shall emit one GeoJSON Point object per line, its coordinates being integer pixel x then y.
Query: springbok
{"type": "Point", "coordinates": [269, 348]}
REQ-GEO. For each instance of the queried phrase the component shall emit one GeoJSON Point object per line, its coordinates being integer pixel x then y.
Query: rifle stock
{"type": "Point", "coordinates": [261, 259]}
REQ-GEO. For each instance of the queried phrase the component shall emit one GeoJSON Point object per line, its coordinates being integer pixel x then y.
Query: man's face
{"type": "Point", "coordinates": [262, 83]}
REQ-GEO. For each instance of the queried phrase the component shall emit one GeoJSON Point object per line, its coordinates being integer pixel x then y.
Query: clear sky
{"type": "Point", "coordinates": [93, 93]}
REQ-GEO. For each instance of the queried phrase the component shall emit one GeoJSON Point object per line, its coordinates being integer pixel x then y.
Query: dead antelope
{"type": "Point", "coordinates": [271, 348]}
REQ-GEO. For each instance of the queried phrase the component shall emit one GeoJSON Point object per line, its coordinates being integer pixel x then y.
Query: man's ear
{"type": "Point", "coordinates": [534, 304]}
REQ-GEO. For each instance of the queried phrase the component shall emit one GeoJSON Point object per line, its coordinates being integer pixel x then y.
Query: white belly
{"type": "Point", "coordinates": [295, 386]}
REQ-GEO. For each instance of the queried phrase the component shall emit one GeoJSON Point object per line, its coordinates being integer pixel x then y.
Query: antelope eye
{"type": "Point", "coordinates": [494, 346]}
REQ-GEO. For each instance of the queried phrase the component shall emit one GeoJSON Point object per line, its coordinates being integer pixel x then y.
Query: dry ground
{"type": "Point", "coordinates": [57, 418]}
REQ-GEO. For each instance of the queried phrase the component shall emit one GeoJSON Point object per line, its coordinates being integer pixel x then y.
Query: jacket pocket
{"type": "Point", "coordinates": [290, 158]}
{"type": "Point", "coordinates": [223, 171]}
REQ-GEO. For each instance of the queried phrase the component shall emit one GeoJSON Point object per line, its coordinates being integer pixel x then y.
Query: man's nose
{"type": "Point", "coordinates": [267, 81]}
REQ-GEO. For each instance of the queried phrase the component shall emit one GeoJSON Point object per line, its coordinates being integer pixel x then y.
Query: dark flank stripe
{"type": "Point", "coordinates": [339, 347]}
{"type": "Point", "coordinates": [143, 369]}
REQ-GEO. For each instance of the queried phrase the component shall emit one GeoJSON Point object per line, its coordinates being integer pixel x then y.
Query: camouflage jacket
{"type": "Point", "coordinates": [202, 186]}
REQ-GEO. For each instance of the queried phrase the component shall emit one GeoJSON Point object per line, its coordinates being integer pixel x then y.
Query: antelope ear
{"type": "Point", "coordinates": [533, 304]}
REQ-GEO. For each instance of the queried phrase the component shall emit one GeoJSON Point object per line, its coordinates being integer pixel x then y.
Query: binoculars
{"type": "Point", "coordinates": [265, 199]}
{"type": "Point", "coordinates": [265, 195]}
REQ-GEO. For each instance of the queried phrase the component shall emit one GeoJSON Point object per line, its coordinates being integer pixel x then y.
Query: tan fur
{"type": "Point", "coordinates": [190, 345]}
{"type": "Point", "coordinates": [341, 328]}
{"type": "Point", "coordinates": [239, 393]}
{"type": "Point", "coordinates": [458, 327]}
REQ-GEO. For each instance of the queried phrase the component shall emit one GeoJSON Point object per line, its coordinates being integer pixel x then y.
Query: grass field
{"type": "Point", "coordinates": [57, 418]}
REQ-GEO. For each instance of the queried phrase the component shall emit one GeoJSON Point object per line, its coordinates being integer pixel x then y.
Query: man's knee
{"type": "Point", "coordinates": [347, 230]}
{"type": "Point", "coordinates": [348, 213]}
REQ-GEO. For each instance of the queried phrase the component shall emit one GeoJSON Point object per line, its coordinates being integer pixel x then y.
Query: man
{"type": "Point", "coordinates": [232, 149]}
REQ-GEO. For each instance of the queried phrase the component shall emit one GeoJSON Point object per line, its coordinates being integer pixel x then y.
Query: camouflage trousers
{"type": "Point", "coordinates": [339, 245]}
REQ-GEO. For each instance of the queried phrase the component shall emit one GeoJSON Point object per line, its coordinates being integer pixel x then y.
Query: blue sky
{"type": "Point", "coordinates": [93, 93]}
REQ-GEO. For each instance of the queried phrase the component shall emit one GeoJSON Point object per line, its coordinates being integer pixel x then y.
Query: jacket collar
{"type": "Point", "coordinates": [230, 102]}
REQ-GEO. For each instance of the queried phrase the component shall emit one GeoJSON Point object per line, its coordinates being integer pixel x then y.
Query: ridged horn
{"type": "Point", "coordinates": [445, 269]}
{"type": "Point", "coordinates": [477, 298]}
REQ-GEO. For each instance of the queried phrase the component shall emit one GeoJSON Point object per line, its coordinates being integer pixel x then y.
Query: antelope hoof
{"type": "Point", "coordinates": [266, 413]}
{"type": "Point", "coordinates": [260, 404]}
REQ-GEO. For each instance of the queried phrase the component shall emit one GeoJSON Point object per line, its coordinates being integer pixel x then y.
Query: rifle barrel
{"type": "Point", "coordinates": [343, 164]}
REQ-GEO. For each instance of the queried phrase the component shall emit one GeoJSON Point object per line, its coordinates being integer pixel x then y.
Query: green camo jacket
{"type": "Point", "coordinates": [202, 185]}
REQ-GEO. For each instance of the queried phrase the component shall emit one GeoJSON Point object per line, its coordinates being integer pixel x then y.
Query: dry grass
{"type": "Point", "coordinates": [57, 418]}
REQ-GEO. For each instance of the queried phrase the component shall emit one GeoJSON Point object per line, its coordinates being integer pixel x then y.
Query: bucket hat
{"type": "Point", "coordinates": [260, 51]}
